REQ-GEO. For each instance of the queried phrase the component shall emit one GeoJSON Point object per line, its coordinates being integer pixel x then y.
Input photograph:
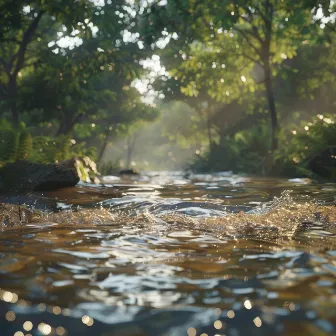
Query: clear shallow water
{"type": "Point", "coordinates": [141, 274]}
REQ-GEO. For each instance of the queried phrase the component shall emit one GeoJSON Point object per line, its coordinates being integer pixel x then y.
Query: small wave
{"type": "Point", "coordinates": [161, 206]}
{"type": "Point", "coordinates": [281, 218]}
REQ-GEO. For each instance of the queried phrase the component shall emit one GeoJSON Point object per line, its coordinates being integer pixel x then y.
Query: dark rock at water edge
{"type": "Point", "coordinates": [131, 171]}
{"type": "Point", "coordinates": [23, 176]}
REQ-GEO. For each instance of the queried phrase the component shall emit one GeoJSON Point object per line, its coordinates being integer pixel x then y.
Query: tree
{"type": "Point", "coordinates": [244, 41]}
{"type": "Point", "coordinates": [23, 25]}
{"type": "Point", "coordinates": [31, 29]}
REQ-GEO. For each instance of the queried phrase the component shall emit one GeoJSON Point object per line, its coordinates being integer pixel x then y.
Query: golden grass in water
{"type": "Point", "coordinates": [283, 219]}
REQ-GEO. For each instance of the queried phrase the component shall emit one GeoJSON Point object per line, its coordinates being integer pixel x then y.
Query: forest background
{"type": "Point", "coordinates": [247, 86]}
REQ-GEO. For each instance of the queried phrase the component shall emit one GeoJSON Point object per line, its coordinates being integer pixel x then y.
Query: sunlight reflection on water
{"type": "Point", "coordinates": [147, 274]}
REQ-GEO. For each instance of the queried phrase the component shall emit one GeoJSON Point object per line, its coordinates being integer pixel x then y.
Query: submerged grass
{"type": "Point", "coordinates": [282, 218]}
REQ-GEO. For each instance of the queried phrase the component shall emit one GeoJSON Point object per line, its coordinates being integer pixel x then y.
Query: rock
{"type": "Point", "coordinates": [67, 163]}
{"type": "Point", "coordinates": [131, 171]}
{"type": "Point", "coordinates": [23, 176]}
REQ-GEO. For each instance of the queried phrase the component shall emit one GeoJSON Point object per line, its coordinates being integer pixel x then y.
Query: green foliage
{"type": "Point", "coordinates": [231, 50]}
{"type": "Point", "coordinates": [220, 54]}
{"type": "Point", "coordinates": [9, 141]}
{"type": "Point", "coordinates": [245, 152]}
{"type": "Point", "coordinates": [18, 144]}
{"type": "Point", "coordinates": [303, 143]}
{"type": "Point", "coordinates": [63, 144]}
{"type": "Point", "coordinates": [42, 77]}
{"type": "Point", "coordinates": [8, 145]}
{"type": "Point", "coordinates": [55, 149]}
{"type": "Point", "coordinates": [25, 146]}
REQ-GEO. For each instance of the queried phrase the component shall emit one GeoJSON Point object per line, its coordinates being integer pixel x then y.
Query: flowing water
{"type": "Point", "coordinates": [165, 254]}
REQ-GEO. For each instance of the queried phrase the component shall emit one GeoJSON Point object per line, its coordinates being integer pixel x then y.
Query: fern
{"type": "Point", "coordinates": [25, 147]}
{"type": "Point", "coordinates": [18, 144]}
{"type": "Point", "coordinates": [63, 149]}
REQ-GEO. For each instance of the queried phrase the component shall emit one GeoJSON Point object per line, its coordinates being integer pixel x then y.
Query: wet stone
{"type": "Point", "coordinates": [23, 176]}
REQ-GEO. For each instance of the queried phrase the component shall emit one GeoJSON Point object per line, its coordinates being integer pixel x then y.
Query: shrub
{"type": "Point", "coordinates": [243, 153]}
{"type": "Point", "coordinates": [51, 149]}
{"type": "Point", "coordinates": [16, 143]}
{"type": "Point", "coordinates": [299, 146]}
{"type": "Point", "coordinates": [24, 148]}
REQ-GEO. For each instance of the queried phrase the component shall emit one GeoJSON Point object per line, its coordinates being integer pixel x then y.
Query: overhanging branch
{"type": "Point", "coordinates": [248, 40]}
{"type": "Point", "coordinates": [27, 37]}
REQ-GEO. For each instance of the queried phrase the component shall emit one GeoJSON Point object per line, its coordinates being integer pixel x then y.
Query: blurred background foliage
{"type": "Point", "coordinates": [246, 86]}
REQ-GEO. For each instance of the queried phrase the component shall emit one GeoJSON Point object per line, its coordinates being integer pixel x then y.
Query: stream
{"type": "Point", "coordinates": [168, 263]}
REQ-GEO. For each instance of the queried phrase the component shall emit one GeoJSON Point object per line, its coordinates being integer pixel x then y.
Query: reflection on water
{"type": "Point", "coordinates": [173, 259]}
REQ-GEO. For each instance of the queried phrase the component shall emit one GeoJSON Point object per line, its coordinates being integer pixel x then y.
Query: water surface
{"type": "Point", "coordinates": [160, 268]}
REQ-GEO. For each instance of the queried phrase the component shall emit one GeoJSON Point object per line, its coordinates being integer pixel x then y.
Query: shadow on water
{"type": "Point", "coordinates": [167, 255]}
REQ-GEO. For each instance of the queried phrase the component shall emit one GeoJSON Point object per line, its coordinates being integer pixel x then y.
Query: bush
{"type": "Point", "coordinates": [25, 146]}
{"type": "Point", "coordinates": [298, 147]}
{"type": "Point", "coordinates": [16, 143]}
{"type": "Point", "coordinates": [9, 139]}
{"type": "Point", "coordinates": [243, 153]}
{"type": "Point", "coordinates": [51, 149]}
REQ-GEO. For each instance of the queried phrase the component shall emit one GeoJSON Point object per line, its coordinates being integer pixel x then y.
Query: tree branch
{"type": "Point", "coordinates": [251, 58]}
{"type": "Point", "coordinates": [254, 28]}
{"type": "Point", "coordinates": [262, 15]}
{"type": "Point", "coordinates": [245, 36]}
{"type": "Point", "coordinates": [27, 37]}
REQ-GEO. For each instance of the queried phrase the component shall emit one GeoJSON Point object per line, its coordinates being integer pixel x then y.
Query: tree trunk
{"type": "Point", "coordinates": [130, 149]}
{"type": "Point", "coordinates": [63, 129]}
{"type": "Point", "coordinates": [16, 65]}
{"type": "Point", "coordinates": [129, 152]}
{"type": "Point", "coordinates": [265, 57]}
{"type": "Point", "coordinates": [15, 113]}
{"type": "Point", "coordinates": [209, 127]}
{"type": "Point", "coordinates": [12, 96]}
{"type": "Point", "coordinates": [67, 124]}
{"type": "Point", "coordinates": [271, 104]}
{"type": "Point", "coordinates": [103, 148]}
